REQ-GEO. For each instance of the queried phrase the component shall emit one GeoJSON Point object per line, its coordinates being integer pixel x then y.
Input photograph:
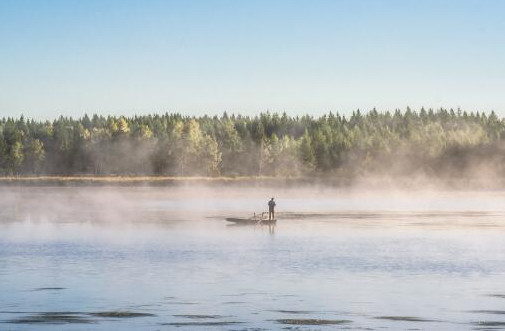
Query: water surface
{"type": "Point", "coordinates": [164, 258]}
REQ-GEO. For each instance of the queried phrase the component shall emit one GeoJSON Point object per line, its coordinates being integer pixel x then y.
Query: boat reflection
{"type": "Point", "coordinates": [270, 226]}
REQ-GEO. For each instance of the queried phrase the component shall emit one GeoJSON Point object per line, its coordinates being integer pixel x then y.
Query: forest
{"type": "Point", "coordinates": [399, 143]}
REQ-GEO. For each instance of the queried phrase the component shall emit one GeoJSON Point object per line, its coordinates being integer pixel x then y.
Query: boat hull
{"type": "Point", "coordinates": [249, 221]}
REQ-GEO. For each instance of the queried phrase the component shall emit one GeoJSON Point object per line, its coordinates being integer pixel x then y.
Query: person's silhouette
{"type": "Point", "coordinates": [271, 212]}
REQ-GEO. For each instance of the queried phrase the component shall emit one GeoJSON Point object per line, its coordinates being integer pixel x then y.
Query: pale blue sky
{"type": "Point", "coordinates": [195, 57]}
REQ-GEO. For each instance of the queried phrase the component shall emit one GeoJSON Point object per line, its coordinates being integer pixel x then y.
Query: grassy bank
{"type": "Point", "coordinates": [380, 183]}
{"type": "Point", "coordinates": [164, 181]}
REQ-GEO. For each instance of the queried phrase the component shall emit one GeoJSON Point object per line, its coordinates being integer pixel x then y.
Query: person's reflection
{"type": "Point", "coordinates": [271, 229]}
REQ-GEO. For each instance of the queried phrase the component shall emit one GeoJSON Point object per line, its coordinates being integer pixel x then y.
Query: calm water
{"type": "Point", "coordinates": [164, 258]}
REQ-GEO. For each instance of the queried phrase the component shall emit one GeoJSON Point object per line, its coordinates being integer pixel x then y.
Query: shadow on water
{"type": "Point", "coordinates": [487, 324]}
{"type": "Point", "coordinates": [121, 314]}
{"type": "Point", "coordinates": [201, 316]}
{"type": "Point", "coordinates": [293, 311]}
{"type": "Point", "coordinates": [311, 321]}
{"type": "Point", "coordinates": [501, 296]}
{"type": "Point", "coordinates": [48, 289]}
{"type": "Point", "coordinates": [404, 319]}
{"type": "Point", "coordinates": [223, 323]}
{"type": "Point", "coordinates": [52, 318]}
{"type": "Point", "coordinates": [494, 312]}
{"type": "Point", "coordinates": [70, 317]}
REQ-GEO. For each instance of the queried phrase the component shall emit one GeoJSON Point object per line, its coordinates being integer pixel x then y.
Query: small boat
{"type": "Point", "coordinates": [255, 219]}
{"type": "Point", "coordinates": [251, 221]}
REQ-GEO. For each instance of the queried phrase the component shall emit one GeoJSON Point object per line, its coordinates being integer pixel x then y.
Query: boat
{"type": "Point", "coordinates": [250, 221]}
{"type": "Point", "coordinates": [255, 219]}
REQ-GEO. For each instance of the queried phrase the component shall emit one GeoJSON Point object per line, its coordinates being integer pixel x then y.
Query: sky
{"type": "Point", "coordinates": [205, 57]}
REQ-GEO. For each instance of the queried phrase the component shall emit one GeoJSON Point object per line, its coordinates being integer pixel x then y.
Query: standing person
{"type": "Point", "coordinates": [271, 212]}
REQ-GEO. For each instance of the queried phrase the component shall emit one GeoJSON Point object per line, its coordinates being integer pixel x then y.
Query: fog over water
{"type": "Point", "coordinates": [129, 258]}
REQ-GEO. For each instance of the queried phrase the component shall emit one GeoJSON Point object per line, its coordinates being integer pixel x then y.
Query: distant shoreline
{"type": "Point", "coordinates": [163, 181]}
{"type": "Point", "coordinates": [374, 183]}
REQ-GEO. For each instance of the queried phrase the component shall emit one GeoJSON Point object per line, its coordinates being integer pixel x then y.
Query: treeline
{"type": "Point", "coordinates": [439, 143]}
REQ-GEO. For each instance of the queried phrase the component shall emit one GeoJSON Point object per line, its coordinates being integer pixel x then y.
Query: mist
{"type": "Point", "coordinates": [136, 256]}
{"type": "Point", "coordinates": [444, 147]}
